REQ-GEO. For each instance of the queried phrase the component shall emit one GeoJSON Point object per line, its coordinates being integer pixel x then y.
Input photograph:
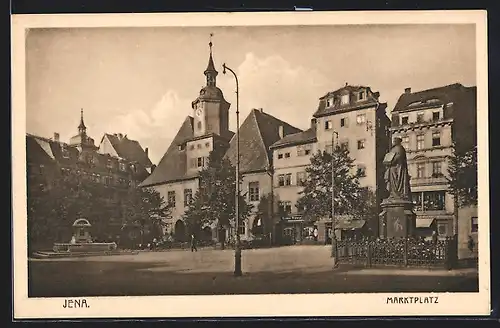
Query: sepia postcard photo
{"type": "Point", "coordinates": [250, 164]}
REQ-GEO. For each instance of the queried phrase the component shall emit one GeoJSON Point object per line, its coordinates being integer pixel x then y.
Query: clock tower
{"type": "Point", "coordinates": [210, 109]}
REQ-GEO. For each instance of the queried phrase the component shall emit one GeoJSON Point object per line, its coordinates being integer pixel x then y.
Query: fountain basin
{"type": "Point", "coordinates": [83, 247]}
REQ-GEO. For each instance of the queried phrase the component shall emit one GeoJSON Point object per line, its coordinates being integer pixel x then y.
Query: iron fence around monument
{"type": "Point", "coordinates": [403, 252]}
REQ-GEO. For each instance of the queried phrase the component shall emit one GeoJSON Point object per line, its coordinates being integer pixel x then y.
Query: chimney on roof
{"type": "Point", "coordinates": [261, 110]}
{"type": "Point", "coordinates": [281, 132]}
{"type": "Point", "coordinates": [120, 136]}
{"type": "Point", "coordinates": [146, 150]}
{"type": "Point", "coordinates": [56, 136]}
{"type": "Point", "coordinates": [408, 90]}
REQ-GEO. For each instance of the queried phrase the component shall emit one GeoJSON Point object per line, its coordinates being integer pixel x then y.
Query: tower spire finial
{"type": "Point", "coordinates": [210, 72]}
{"type": "Point", "coordinates": [82, 128]}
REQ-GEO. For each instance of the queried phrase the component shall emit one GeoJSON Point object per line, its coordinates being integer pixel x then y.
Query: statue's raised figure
{"type": "Point", "coordinates": [396, 175]}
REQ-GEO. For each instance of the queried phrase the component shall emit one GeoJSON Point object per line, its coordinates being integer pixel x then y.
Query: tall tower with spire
{"type": "Point", "coordinates": [210, 109]}
{"type": "Point", "coordinates": [82, 129]}
{"type": "Point", "coordinates": [82, 140]}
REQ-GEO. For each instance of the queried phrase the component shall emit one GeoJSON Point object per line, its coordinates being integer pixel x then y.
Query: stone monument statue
{"type": "Point", "coordinates": [396, 175]}
{"type": "Point", "coordinates": [397, 218]}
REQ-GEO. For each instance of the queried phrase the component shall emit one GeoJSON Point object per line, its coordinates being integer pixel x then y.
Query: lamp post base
{"type": "Point", "coordinates": [237, 261]}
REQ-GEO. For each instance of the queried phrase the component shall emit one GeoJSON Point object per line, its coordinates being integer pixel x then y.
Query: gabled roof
{"type": "Point", "coordinates": [307, 136]}
{"type": "Point", "coordinates": [371, 99]}
{"type": "Point", "coordinates": [441, 95]}
{"type": "Point", "coordinates": [40, 148]}
{"type": "Point", "coordinates": [173, 165]}
{"type": "Point", "coordinates": [43, 151]}
{"type": "Point", "coordinates": [128, 149]}
{"type": "Point", "coordinates": [257, 133]}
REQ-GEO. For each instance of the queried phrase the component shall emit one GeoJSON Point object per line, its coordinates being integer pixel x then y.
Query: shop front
{"type": "Point", "coordinates": [297, 230]}
{"type": "Point", "coordinates": [352, 229]}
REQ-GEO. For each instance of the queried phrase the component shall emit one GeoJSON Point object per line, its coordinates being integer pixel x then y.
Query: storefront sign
{"type": "Point", "coordinates": [296, 218]}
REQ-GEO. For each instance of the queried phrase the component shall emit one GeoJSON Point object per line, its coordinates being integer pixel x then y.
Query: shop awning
{"type": "Point", "coordinates": [424, 223]}
{"type": "Point", "coordinates": [351, 225]}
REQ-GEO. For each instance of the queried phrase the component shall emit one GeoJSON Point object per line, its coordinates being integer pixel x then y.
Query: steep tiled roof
{"type": "Point", "coordinates": [257, 133]}
{"type": "Point", "coordinates": [41, 150]}
{"type": "Point", "coordinates": [370, 99]}
{"type": "Point", "coordinates": [38, 150]}
{"type": "Point", "coordinates": [173, 165]}
{"type": "Point", "coordinates": [306, 136]}
{"type": "Point", "coordinates": [441, 95]}
{"type": "Point", "coordinates": [129, 149]}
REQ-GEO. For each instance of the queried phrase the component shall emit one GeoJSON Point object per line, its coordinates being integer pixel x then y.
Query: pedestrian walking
{"type": "Point", "coordinates": [471, 244]}
{"type": "Point", "coordinates": [193, 243]}
{"type": "Point", "coordinates": [434, 237]}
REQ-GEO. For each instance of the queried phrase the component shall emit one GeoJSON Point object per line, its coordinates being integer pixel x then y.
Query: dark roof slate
{"type": "Point", "coordinates": [306, 136]}
{"type": "Point", "coordinates": [129, 149]}
{"type": "Point", "coordinates": [173, 165]}
{"type": "Point", "coordinates": [440, 95]}
{"type": "Point", "coordinates": [257, 133]}
{"type": "Point", "coordinates": [370, 100]}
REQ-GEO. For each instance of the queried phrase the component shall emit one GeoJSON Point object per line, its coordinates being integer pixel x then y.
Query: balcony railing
{"type": "Point", "coordinates": [398, 123]}
{"type": "Point", "coordinates": [435, 179]}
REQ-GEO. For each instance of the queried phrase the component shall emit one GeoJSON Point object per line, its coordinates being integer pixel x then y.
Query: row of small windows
{"type": "Point", "coordinates": [420, 141]}
{"type": "Point", "coordinates": [253, 194]}
{"type": "Point", "coordinates": [200, 126]}
{"type": "Point", "coordinates": [286, 179]}
{"type": "Point", "coordinates": [198, 162]}
{"type": "Point", "coordinates": [192, 147]}
{"type": "Point", "coordinates": [110, 164]}
{"type": "Point", "coordinates": [345, 99]}
{"type": "Point", "coordinates": [436, 116]}
{"type": "Point", "coordinates": [361, 144]}
{"type": "Point", "coordinates": [96, 177]}
{"type": "Point", "coordinates": [429, 200]}
{"type": "Point", "coordinates": [307, 150]}
{"type": "Point", "coordinates": [436, 169]}
{"type": "Point", "coordinates": [302, 150]}
{"type": "Point", "coordinates": [344, 122]}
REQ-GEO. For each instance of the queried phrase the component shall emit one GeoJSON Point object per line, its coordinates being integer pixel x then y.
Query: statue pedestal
{"type": "Point", "coordinates": [397, 218]}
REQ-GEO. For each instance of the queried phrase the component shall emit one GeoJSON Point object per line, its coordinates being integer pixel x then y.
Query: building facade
{"type": "Point", "coordinates": [291, 157]}
{"type": "Point", "coordinates": [50, 159]}
{"type": "Point", "coordinates": [431, 123]}
{"type": "Point", "coordinates": [353, 118]}
{"type": "Point", "coordinates": [177, 176]}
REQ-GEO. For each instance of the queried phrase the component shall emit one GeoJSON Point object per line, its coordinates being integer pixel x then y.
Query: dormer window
{"type": "Point", "coordinates": [65, 152]}
{"type": "Point", "coordinates": [182, 147]}
{"type": "Point", "coordinates": [329, 102]}
{"type": "Point", "coordinates": [361, 95]}
{"type": "Point", "coordinates": [344, 100]}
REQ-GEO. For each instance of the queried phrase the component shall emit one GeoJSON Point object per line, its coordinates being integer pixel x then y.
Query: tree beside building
{"type": "Point", "coordinates": [214, 203]}
{"type": "Point", "coordinates": [66, 181]}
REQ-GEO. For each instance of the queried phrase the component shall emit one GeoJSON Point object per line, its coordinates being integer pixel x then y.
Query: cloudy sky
{"type": "Point", "coordinates": [141, 81]}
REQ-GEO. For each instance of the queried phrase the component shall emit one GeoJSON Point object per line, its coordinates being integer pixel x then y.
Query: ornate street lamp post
{"type": "Point", "coordinates": [237, 248]}
{"type": "Point", "coordinates": [334, 238]}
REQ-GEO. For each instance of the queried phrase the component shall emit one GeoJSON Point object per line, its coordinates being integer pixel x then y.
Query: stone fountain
{"type": "Point", "coordinates": [81, 241]}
